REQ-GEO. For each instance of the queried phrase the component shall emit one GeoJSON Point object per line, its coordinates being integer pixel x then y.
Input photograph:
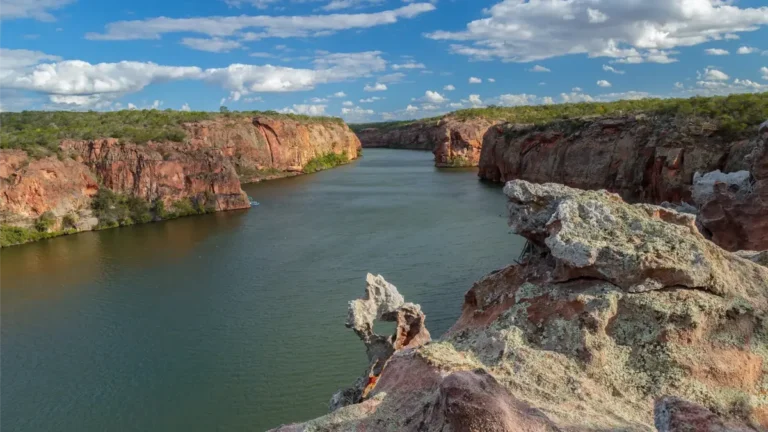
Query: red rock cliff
{"type": "Point", "coordinates": [648, 159]}
{"type": "Point", "coordinates": [215, 158]}
{"type": "Point", "coordinates": [454, 142]}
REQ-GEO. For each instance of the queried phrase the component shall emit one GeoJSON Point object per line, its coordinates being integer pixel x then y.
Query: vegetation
{"type": "Point", "coordinates": [326, 161]}
{"type": "Point", "coordinates": [45, 222]}
{"type": "Point", "coordinates": [114, 209]}
{"type": "Point", "coordinates": [10, 235]}
{"type": "Point", "coordinates": [732, 114]}
{"type": "Point", "coordinates": [39, 132]}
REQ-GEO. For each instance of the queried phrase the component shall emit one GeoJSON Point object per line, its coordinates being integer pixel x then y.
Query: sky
{"type": "Point", "coordinates": [373, 60]}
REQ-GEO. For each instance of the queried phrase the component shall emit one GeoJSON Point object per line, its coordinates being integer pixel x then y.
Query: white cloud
{"type": "Point", "coordinates": [679, 85]}
{"type": "Point", "coordinates": [344, 4]}
{"type": "Point", "coordinates": [348, 103]}
{"type": "Point", "coordinates": [185, 107]}
{"type": "Point", "coordinates": [340, 94]}
{"type": "Point", "coordinates": [746, 50]}
{"type": "Point", "coordinates": [539, 68]}
{"type": "Point", "coordinates": [267, 26]}
{"type": "Point", "coordinates": [475, 100]}
{"type": "Point", "coordinates": [603, 83]}
{"type": "Point", "coordinates": [576, 89]}
{"type": "Point", "coordinates": [710, 74]}
{"type": "Point", "coordinates": [357, 114]}
{"type": "Point", "coordinates": [595, 16]}
{"type": "Point", "coordinates": [575, 97]}
{"type": "Point", "coordinates": [612, 69]}
{"type": "Point", "coordinates": [523, 31]}
{"type": "Point", "coordinates": [211, 45]}
{"type": "Point", "coordinates": [375, 88]}
{"type": "Point", "coordinates": [434, 97]}
{"type": "Point", "coordinates": [449, 87]}
{"type": "Point", "coordinates": [370, 99]}
{"type": "Point", "coordinates": [491, 80]}
{"type": "Point", "coordinates": [456, 105]}
{"type": "Point", "coordinates": [261, 55]}
{"type": "Point", "coordinates": [391, 78]}
{"type": "Point", "coordinates": [74, 82]}
{"type": "Point", "coordinates": [764, 71]}
{"type": "Point", "coordinates": [411, 108]}
{"type": "Point", "coordinates": [517, 99]}
{"type": "Point", "coordinates": [474, 80]}
{"type": "Point", "coordinates": [311, 110]}
{"type": "Point", "coordinates": [131, 106]}
{"type": "Point", "coordinates": [716, 52]}
{"type": "Point", "coordinates": [409, 65]}
{"type": "Point", "coordinates": [35, 9]}
{"type": "Point", "coordinates": [317, 100]}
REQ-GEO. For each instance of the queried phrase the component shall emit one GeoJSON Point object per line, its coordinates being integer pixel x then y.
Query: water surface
{"type": "Point", "coordinates": [235, 321]}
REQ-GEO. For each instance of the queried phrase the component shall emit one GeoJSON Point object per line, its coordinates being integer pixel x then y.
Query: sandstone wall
{"type": "Point", "coordinates": [214, 159]}
{"type": "Point", "coordinates": [455, 143]}
{"type": "Point", "coordinates": [648, 159]}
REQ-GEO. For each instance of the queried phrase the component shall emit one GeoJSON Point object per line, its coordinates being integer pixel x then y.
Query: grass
{"type": "Point", "coordinates": [734, 114]}
{"type": "Point", "coordinates": [326, 161]}
{"type": "Point", "coordinates": [10, 235]}
{"type": "Point", "coordinates": [39, 132]}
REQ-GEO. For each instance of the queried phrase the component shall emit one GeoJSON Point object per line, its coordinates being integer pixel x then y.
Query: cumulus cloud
{"type": "Point", "coordinates": [523, 31]}
{"type": "Point", "coordinates": [539, 68]}
{"type": "Point", "coordinates": [185, 107]}
{"type": "Point", "coordinates": [411, 108]}
{"type": "Point", "coordinates": [306, 109]}
{"type": "Point", "coordinates": [716, 52]}
{"type": "Point", "coordinates": [475, 100]}
{"type": "Point", "coordinates": [265, 26]}
{"type": "Point", "coordinates": [603, 83]}
{"type": "Point", "coordinates": [613, 70]}
{"type": "Point", "coordinates": [449, 87]}
{"type": "Point", "coordinates": [317, 100]}
{"type": "Point", "coordinates": [764, 71]}
{"type": "Point", "coordinates": [434, 97]}
{"type": "Point", "coordinates": [710, 74]}
{"type": "Point", "coordinates": [356, 113]}
{"type": "Point", "coordinates": [491, 80]}
{"type": "Point", "coordinates": [340, 94]}
{"type": "Point", "coordinates": [475, 80]}
{"type": "Point", "coordinates": [391, 78]}
{"type": "Point", "coordinates": [371, 99]}
{"type": "Point", "coordinates": [746, 50]}
{"type": "Point", "coordinates": [517, 99]}
{"type": "Point", "coordinates": [348, 103]}
{"type": "Point", "coordinates": [576, 89]}
{"type": "Point", "coordinates": [75, 82]}
{"type": "Point", "coordinates": [375, 88]}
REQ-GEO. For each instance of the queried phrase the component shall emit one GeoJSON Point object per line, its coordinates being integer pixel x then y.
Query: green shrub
{"type": "Point", "coordinates": [183, 207]}
{"type": "Point", "coordinates": [114, 209]}
{"type": "Point", "coordinates": [69, 221]}
{"type": "Point", "coordinates": [45, 222]}
{"type": "Point", "coordinates": [326, 161]}
{"type": "Point", "coordinates": [10, 235]}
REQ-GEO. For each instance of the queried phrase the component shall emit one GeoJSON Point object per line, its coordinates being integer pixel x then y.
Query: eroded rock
{"type": "Point", "coordinates": [676, 415]}
{"type": "Point", "coordinates": [381, 302]}
{"type": "Point", "coordinates": [613, 307]}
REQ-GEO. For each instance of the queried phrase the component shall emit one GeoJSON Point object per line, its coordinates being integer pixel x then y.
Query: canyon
{"type": "Point", "coordinates": [617, 317]}
{"type": "Point", "coordinates": [205, 171]}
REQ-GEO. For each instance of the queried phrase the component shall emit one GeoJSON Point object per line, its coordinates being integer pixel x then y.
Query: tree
{"type": "Point", "coordinates": [223, 109]}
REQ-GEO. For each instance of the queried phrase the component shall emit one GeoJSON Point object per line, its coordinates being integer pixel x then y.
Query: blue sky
{"type": "Point", "coordinates": [370, 60]}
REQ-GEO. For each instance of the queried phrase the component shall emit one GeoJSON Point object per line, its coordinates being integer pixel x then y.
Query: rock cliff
{"type": "Point", "coordinates": [455, 142]}
{"type": "Point", "coordinates": [618, 317]}
{"type": "Point", "coordinates": [205, 170]}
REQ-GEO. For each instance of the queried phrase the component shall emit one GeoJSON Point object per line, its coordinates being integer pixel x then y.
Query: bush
{"type": "Point", "coordinates": [69, 221]}
{"type": "Point", "coordinates": [10, 235]}
{"type": "Point", "coordinates": [45, 222]}
{"type": "Point", "coordinates": [114, 209]}
{"type": "Point", "coordinates": [326, 161]}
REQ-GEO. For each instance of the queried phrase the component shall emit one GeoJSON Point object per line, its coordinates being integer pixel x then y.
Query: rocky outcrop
{"type": "Point", "coordinates": [735, 212]}
{"type": "Point", "coordinates": [643, 158]}
{"type": "Point", "coordinates": [613, 307]}
{"type": "Point", "coordinates": [263, 147]}
{"type": "Point", "coordinates": [382, 302]}
{"type": "Point", "coordinates": [455, 142]}
{"type": "Point", "coordinates": [208, 167]}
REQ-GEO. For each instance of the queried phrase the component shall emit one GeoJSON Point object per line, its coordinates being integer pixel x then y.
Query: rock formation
{"type": "Point", "coordinates": [735, 212]}
{"type": "Point", "coordinates": [455, 142]}
{"type": "Point", "coordinates": [613, 307]}
{"type": "Point", "coordinates": [643, 158]}
{"type": "Point", "coordinates": [382, 302]}
{"type": "Point", "coordinates": [212, 162]}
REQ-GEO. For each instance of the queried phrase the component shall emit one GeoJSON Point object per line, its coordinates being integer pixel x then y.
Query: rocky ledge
{"type": "Point", "coordinates": [618, 317]}
{"type": "Point", "coordinates": [43, 197]}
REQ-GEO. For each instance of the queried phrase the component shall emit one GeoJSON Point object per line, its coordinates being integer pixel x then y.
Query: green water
{"type": "Point", "coordinates": [235, 321]}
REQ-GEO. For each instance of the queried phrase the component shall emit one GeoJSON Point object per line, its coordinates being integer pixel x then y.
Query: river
{"type": "Point", "coordinates": [235, 321]}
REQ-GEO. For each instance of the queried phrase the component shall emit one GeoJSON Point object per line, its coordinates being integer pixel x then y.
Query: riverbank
{"type": "Point", "coordinates": [51, 189]}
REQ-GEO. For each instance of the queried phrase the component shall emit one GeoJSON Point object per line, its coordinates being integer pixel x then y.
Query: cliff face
{"type": "Point", "coordinates": [455, 143]}
{"type": "Point", "coordinates": [641, 158]}
{"type": "Point", "coordinates": [617, 317]}
{"type": "Point", "coordinates": [208, 167]}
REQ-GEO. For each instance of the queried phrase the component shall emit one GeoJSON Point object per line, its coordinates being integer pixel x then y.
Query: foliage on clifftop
{"type": "Point", "coordinates": [325, 162]}
{"type": "Point", "coordinates": [39, 132]}
{"type": "Point", "coordinates": [734, 113]}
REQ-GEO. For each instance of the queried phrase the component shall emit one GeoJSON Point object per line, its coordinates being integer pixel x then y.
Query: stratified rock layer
{"type": "Point", "coordinates": [614, 307]}
{"type": "Point", "coordinates": [213, 161]}
{"type": "Point", "coordinates": [648, 159]}
{"type": "Point", "coordinates": [455, 143]}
